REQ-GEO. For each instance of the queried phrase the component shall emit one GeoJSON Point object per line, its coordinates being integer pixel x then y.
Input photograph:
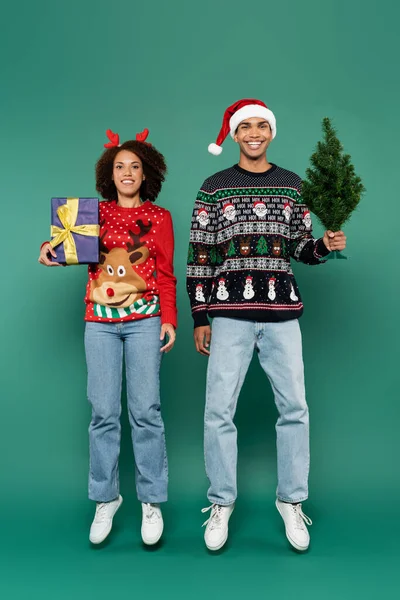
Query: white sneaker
{"type": "Point", "coordinates": [152, 523]}
{"type": "Point", "coordinates": [216, 532]}
{"type": "Point", "coordinates": [295, 524]}
{"type": "Point", "coordinates": [102, 522]}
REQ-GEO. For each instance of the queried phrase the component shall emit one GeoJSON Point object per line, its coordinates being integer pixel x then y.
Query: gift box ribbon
{"type": "Point", "coordinates": [68, 213]}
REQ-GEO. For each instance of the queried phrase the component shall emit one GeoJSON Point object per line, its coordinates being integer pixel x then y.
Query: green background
{"type": "Point", "coordinates": [71, 70]}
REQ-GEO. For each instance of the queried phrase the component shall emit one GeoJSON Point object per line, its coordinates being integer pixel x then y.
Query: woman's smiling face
{"type": "Point", "coordinates": [127, 173]}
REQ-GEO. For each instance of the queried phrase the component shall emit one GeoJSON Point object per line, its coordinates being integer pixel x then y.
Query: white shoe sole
{"type": "Point", "coordinates": [291, 542]}
{"type": "Point", "coordinates": [220, 545]}
{"type": "Point", "coordinates": [152, 542]}
{"type": "Point", "coordinates": [106, 533]}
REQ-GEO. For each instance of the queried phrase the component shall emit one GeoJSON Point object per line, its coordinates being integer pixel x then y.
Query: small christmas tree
{"type": "Point", "coordinates": [231, 249]}
{"type": "Point", "coordinates": [213, 255]}
{"type": "Point", "coordinates": [219, 257]}
{"type": "Point", "coordinates": [331, 189]}
{"type": "Point", "coordinates": [262, 246]}
{"type": "Point", "coordinates": [190, 258]}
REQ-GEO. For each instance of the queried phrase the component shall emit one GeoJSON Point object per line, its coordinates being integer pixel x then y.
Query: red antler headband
{"type": "Point", "coordinates": [114, 138]}
{"type": "Point", "coordinates": [142, 137]}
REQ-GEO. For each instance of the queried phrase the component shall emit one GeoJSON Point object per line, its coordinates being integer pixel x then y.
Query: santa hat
{"type": "Point", "coordinates": [259, 203]}
{"type": "Point", "coordinates": [199, 286]}
{"type": "Point", "coordinates": [202, 211]}
{"type": "Point", "coordinates": [306, 213]}
{"type": "Point", "coordinates": [287, 205]}
{"type": "Point", "coordinates": [249, 279]}
{"type": "Point", "coordinates": [273, 279]}
{"type": "Point", "coordinates": [238, 112]}
{"type": "Point", "coordinates": [227, 205]}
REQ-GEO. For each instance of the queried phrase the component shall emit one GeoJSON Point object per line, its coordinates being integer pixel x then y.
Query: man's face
{"type": "Point", "coordinates": [253, 136]}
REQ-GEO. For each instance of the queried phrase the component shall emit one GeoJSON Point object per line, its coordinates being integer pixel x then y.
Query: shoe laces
{"type": "Point", "coordinates": [150, 513]}
{"type": "Point", "coordinates": [300, 517]}
{"type": "Point", "coordinates": [214, 521]}
{"type": "Point", "coordinates": [101, 512]}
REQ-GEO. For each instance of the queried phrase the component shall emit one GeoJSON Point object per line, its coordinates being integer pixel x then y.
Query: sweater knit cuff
{"type": "Point", "coordinates": [200, 318]}
{"type": "Point", "coordinates": [320, 249]}
{"type": "Point", "coordinates": [169, 316]}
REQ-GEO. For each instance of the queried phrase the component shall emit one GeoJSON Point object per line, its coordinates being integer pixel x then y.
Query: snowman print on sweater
{"type": "Point", "coordinates": [248, 292]}
{"type": "Point", "coordinates": [271, 288]}
{"type": "Point", "coordinates": [200, 293]}
{"type": "Point", "coordinates": [293, 296]}
{"type": "Point", "coordinates": [222, 292]}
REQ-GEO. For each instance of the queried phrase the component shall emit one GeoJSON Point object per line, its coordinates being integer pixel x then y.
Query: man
{"type": "Point", "coordinates": [256, 221]}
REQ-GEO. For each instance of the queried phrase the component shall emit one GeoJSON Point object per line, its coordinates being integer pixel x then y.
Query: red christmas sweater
{"type": "Point", "coordinates": [134, 278]}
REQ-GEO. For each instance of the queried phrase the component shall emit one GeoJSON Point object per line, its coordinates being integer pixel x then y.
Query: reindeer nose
{"type": "Point", "coordinates": [110, 292]}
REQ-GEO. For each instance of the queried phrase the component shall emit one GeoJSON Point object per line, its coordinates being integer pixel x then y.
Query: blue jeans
{"type": "Point", "coordinates": [279, 351]}
{"type": "Point", "coordinates": [106, 344]}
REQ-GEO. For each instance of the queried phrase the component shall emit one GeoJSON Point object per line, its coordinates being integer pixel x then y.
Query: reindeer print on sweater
{"type": "Point", "coordinates": [134, 278]}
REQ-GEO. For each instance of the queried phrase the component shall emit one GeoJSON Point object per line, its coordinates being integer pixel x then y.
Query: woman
{"type": "Point", "coordinates": [131, 314]}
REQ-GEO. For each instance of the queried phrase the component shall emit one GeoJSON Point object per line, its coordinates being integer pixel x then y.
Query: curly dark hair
{"type": "Point", "coordinates": [154, 168]}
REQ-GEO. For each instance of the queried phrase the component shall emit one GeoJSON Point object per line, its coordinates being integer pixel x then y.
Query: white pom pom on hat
{"type": "Point", "coordinates": [238, 112]}
{"type": "Point", "coordinates": [214, 149]}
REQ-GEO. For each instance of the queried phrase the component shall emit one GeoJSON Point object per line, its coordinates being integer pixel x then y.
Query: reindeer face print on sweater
{"type": "Point", "coordinates": [118, 284]}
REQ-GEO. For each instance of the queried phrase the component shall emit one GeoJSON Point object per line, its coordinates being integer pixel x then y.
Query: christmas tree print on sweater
{"type": "Point", "coordinates": [262, 246]}
{"type": "Point", "coordinates": [257, 223]}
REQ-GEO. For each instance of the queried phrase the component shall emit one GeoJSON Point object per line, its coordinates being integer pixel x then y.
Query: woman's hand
{"type": "Point", "coordinates": [169, 330]}
{"type": "Point", "coordinates": [44, 259]}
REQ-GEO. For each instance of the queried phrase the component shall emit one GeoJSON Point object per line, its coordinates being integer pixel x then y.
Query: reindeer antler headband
{"type": "Point", "coordinates": [114, 138]}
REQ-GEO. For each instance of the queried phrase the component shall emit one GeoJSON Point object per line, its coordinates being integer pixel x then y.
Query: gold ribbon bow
{"type": "Point", "coordinates": [68, 213]}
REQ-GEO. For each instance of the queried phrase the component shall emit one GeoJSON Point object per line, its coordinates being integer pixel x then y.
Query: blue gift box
{"type": "Point", "coordinates": [75, 230]}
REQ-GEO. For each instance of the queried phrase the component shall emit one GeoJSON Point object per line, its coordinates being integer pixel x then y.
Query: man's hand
{"type": "Point", "coordinates": [167, 329]}
{"type": "Point", "coordinates": [202, 339]}
{"type": "Point", "coordinates": [334, 240]}
{"type": "Point", "coordinates": [44, 258]}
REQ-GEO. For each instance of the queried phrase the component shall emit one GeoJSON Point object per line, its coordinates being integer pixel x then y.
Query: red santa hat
{"type": "Point", "coordinates": [249, 279]}
{"type": "Point", "coordinates": [202, 211]}
{"type": "Point", "coordinates": [272, 279]}
{"type": "Point", "coordinates": [306, 213]}
{"type": "Point", "coordinates": [259, 204]}
{"type": "Point", "coordinates": [287, 205]}
{"type": "Point", "coordinates": [238, 112]}
{"type": "Point", "coordinates": [199, 286]}
{"type": "Point", "coordinates": [227, 205]}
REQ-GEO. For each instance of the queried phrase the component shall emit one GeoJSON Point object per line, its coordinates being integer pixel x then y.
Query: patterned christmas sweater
{"type": "Point", "coordinates": [245, 228]}
{"type": "Point", "coordinates": [134, 278]}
